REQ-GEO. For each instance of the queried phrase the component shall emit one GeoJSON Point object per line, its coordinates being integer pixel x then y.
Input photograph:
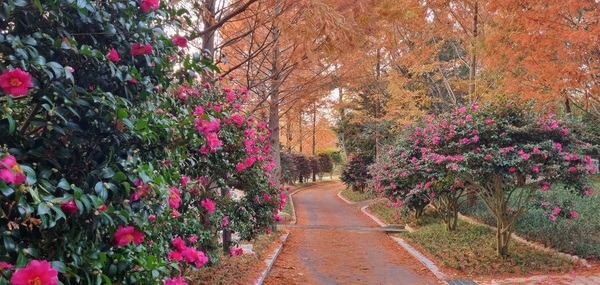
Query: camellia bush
{"type": "Point", "coordinates": [504, 152]}
{"type": "Point", "coordinates": [356, 173]}
{"type": "Point", "coordinates": [116, 165]}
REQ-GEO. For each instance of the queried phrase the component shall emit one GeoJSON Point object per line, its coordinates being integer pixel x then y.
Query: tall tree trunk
{"type": "Point", "coordinates": [274, 105]}
{"type": "Point", "coordinates": [208, 40]}
{"type": "Point", "coordinates": [473, 63]}
{"type": "Point", "coordinates": [314, 139]}
{"type": "Point", "coordinates": [300, 134]}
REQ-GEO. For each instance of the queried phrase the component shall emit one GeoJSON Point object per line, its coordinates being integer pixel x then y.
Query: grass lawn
{"type": "Point", "coordinates": [358, 196]}
{"type": "Point", "coordinates": [471, 250]}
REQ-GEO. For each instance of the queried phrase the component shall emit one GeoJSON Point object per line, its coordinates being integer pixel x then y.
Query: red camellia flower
{"type": "Point", "coordinates": [113, 55]}
{"type": "Point", "coordinates": [149, 4]}
{"type": "Point", "coordinates": [102, 208]}
{"type": "Point", "coordinates": [139, 49]}
{"type": "Point", "coordinates": [35, 273]}
{"type": "Point", "coordinates": [125, 235]}
{"type": "Point", "coordinates": [15, 82]}
{"type": "Point", "coordinates": [69, 207]}
{"type": "Point", "coordinates": [180, 41]}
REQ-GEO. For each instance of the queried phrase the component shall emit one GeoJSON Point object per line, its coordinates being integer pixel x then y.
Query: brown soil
{"type": "Point", "coordinates": [332, 246]}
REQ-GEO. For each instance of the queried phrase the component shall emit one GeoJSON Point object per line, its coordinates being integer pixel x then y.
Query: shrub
{"type": "Point", "coordinates": [122, 164]}
{"type": "Point", "coordinates": [356, 172]}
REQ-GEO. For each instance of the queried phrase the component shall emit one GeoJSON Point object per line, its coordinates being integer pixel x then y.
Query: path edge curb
{"type": "Point", "coordinates": [414, 252]}
{"type": "Point", "coordinates": [270, 260]}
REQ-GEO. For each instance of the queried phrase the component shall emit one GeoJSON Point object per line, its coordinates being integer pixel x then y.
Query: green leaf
{"type": "Point", "coordinates": [59, 266]}
{"type": "Point", "coordinates": [81, 4]}
{"type": "Point", "coordinates": [120, 176]}
{"type": "Point", "coordinates": [29, 40]}
{"type": "Point", "coordinates": [9, 244]}
{"type": "Point", "coordinates": [122, 113]}
{"type": "Point", "coordinates": [64, 184]}
{"type": "Point", "coordinates": [38, 4]}
{"type": "Point", "coordinates": [21, 260]}
{"type": "Point", "coordinates": [108, 173]}
{"type": "Point", "coordinates": [43, 209]}
{"type": "Point", "coordinates": [56, 68]}
{"type": "Point", "coordinates": [11, 124]}
{"type": "Point", "coordinates": [141, 124]}
{"type": "Point", "coordinates": [6, 191]}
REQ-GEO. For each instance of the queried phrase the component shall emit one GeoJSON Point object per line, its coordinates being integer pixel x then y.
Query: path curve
{"type": "Point", "coordinates": [336, 251]}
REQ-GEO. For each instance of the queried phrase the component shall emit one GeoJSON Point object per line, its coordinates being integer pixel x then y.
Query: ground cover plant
{"type": "Point", "coordinates": [116, 165]}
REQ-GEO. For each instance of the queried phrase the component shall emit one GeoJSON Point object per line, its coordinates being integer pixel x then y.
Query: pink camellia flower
{"type": "Point", "coordinates": [113, 55]}
{"type": "Point", "coordinates": [236, 251]}
{"type": "Point", "coordinates": [139, 49]}
{"type": "Point", "coordinates": [15, 82]}
{"type": "Point", "coordinates": [184, 180]}
{"type": "Point", "coordinates": [213, 141]}
{"type": "Point", "coordinates": [174, 198]}
{"type": "Point", "coordinates": [574, 214]}
{"type": "Point", "coordinates": [556, 210]}
{"type": "Point", "coordinates": [69, 207]}
{"type": "Point", "coordinates": [151, 218]}
{"type": "Point", "coordinates": [102, 208]}
{"type": "Point", "coordinates": [146, 5]}
{"type": "Point", "coordinates": [572, 169]}
{"type": "Point", "coordinates": [180, 41]}
{"type": "Point", "coordinates": [175, 255]}
{"type": "Point", "coordinates": [225, 221]}
{"type": "Point", "coordinates": [589, 192]}
{"type": "Point", "coordinates": [553, 217]}
{"type": "Point", "coordinates": [209, 205]}
{"type": "Point", "coordinates": [179, 243]}
{"type": "Point", "coordinates": [35, 273]}
{"type": "Point", "coordinates": [192, 255]}
{"type": "Point", "coordinates": [10, 172]}
{"type": "Point", "coordinates": [175, 214]}
{"type": "Point", "coordinates": [176, 281]}
{"type": "Point", "coordinates": [5, 266]}
{"type": "Point", "coordinates": [512, 169]}
{"type": "Point", "coordinates": [125, 235]}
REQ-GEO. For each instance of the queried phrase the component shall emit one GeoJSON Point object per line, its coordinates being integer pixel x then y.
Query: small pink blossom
{"type": "Point", "coordinates": [209, 205]}
{"type": "Point", "coordinates": [193, 238]}
{"type": "Point", "coordinates": [176, 281]}
{"type": "Point", "coordinates": [180, 41]}
{"type": "Point", "coordinates": [5, 266]}
{"type": "Point", "coordinates": [151, 218]}
{"type": "Point", "coordinates": [225, 221]}
{"type": "Point", "coordinates": [574, 214]}
{"type": "Point", "coordinates": [139, 49]}
{"type": "Point", "coordinates": [148, 5]}
{"type": "Point", "coordinates": [113, 55]}
{"type": "Point", "coordinates": [556, 210]}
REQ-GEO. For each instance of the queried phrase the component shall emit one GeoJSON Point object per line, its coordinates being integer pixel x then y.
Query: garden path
{"type": "Point", "coordinates": [334, 243]}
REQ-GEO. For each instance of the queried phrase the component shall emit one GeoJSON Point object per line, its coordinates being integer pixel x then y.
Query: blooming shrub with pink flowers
{"type": "Point", "coordinates": [111, 152]}
{"type": "Point", "coordinates": [503, 152]}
